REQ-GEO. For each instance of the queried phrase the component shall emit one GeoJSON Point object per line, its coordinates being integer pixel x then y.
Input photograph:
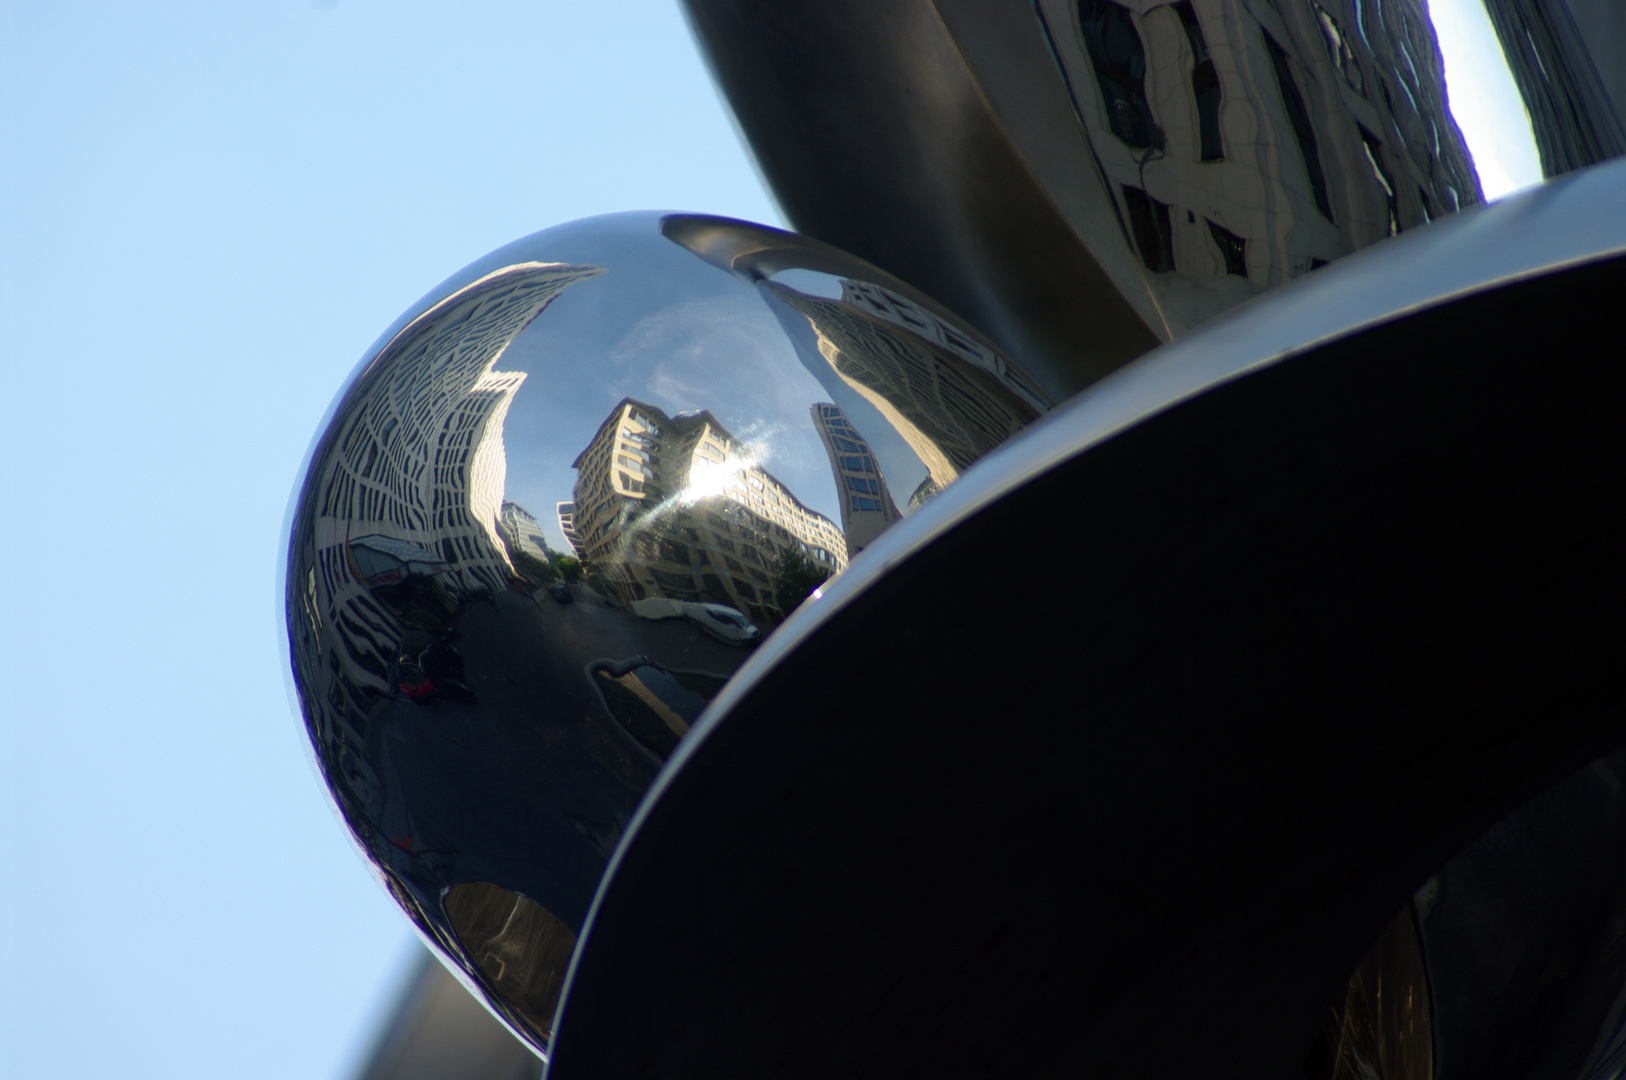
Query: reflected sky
{"type": "Point", "coordinates": [675, 320]}
{"type": "Point", "coordinates": [1484, 100]}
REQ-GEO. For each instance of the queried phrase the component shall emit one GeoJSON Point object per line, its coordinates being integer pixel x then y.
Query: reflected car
{"type": "Point", "coordinates": [560, 592]}
{"type": "Point", "coordinates": [723, 622]}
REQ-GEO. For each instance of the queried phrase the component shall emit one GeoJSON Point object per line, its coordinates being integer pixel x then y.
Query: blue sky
{"type": "Point", "coordinates": [207, 212]}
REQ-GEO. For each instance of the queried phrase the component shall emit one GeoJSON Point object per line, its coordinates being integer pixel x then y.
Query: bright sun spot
{"type": "Point", "coordinates": [707, 478]}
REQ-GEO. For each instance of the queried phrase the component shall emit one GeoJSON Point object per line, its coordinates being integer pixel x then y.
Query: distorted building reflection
{"type": "Point", "coordinates": [1245, 144]}
{"type": "Point", "coordinates": [406, 508]}
{"type": "Point", "coordinates": [675, 507]}
{"type": "Point", "coordinates": [867, 508]}
{"type": "Point", "coordinates": [527, 547]}
{"type": "Point", "coordinates": [566, 513]}
{"type": "Point", "coordinates": [951, 398]}
{"type": "Point", "coordinates": [1574, 122]}
{"type": "Point", "coordinates": [487, 711]}
{"type": "Point", "coordinates": [888, 357]}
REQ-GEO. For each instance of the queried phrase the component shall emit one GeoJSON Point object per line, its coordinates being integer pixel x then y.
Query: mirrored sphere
{"type": "Point", "coordinates": [556, 507]}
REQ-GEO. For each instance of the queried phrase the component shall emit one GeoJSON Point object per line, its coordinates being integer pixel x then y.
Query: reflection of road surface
{"type": "Point", "coordinates": [536, 770]}
{"type": "Point", "coordinates": [617, 633]}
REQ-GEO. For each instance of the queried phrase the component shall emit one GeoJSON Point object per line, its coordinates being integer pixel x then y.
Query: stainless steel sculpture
{"type": "Point", "coordinates": [1082, 179]}
{"type": "Point", "coordinates": [563, 500]}
{"type": "Point", "coordinates": [556, 507]}
{"type": "Point", "coordinates": [1297, 607]}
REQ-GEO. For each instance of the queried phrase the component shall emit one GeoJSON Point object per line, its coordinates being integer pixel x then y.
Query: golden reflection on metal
{"type": "Point", "coordinates": [1382, 1029]}
{"type": "Point", "coordinates": [520, 948]}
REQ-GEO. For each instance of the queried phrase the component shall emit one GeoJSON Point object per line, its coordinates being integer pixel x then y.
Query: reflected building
{"type": "Point", "coordinates": [1574, 122]}
{"type": "Point", "coordinates": [867, 508]}
{"type": "Point", "coordinates": [950, 399]}
{"type": "Point", "coordinates": [674, 507]}
{"type": "Point", "coordinates": [886, 305]}
{"type": "Point", "coordinates": [566, 512]}
{"type": "Point", "coordinates": [923, 494]}
{"type": "Point", "coordinates": [1243, 144]}
{"type": "Point", "coordinates": [523, 535]}
{"type": "Point", "coordinates": [406, 506]}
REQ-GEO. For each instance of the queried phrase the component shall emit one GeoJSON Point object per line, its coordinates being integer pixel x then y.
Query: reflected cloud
{"type": "Point", "coordinates": [679, 346]}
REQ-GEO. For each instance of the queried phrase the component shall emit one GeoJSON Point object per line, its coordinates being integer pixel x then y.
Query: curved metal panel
{"type": "Point", "coordinates": [1081, 178]}
{"type": "Point", "coordinates": [1337, 593]}
{"type": "Point", "coordinates": [874, 136]}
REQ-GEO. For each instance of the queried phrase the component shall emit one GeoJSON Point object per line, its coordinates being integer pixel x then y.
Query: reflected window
{"type": "Point", "coordinates": [1232, 247]}
{"type": "Point", "coordinates": [672, 551]}
{"type": "Point", "coordinates": [676, 583]}
{"type": "Point", "coordinates": [1119, 59]}
{"type": "Point", "coordinates": [1149, 220]}
{"type": "Point", "coordinates": [1299, 117]}
{"type": "Point", "coordinates": [1338, 50]}
{"type": "Point", "coordinates": [1374, 157]}
{"type": "Point", "coordinates": [1205, 86]}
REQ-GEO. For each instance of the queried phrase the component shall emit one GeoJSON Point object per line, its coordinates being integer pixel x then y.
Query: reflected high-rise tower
{"type": "Point", "coordinates": [951, 400]}
{"type": "Point", "coordinates": [888, 306]}
{"type": "Point", "coordinates": [1571, 115]}
{"type": "Point", "coordinates": [522, 535]}
{"type": "Point", "coordinates": [406, 506]}
{"type": "Point", "coordinates": [566, 512]}
{"type": "Point", "coordinates": [471, 445]}
{"type": "Point", "coordinates": [867, 508]}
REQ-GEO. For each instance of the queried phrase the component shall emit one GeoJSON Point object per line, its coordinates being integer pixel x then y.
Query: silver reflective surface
{"type": "Point", "coordinates": [1486, 330]}
{"type": "Point", "coordinates": [554, 510]}
{"type": "Point", "coordinates": [1084, 178]}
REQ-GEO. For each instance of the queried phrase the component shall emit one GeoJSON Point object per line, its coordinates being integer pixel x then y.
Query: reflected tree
{"type": "Point", "coordinates": [795, 578]}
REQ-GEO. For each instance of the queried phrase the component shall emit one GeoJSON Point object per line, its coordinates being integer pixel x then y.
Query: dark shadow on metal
{"type": "Point", "coordinates": [1324, 625]}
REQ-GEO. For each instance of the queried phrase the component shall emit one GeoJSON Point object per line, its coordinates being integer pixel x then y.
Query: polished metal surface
{"type": "Point", "coordinates": [1081, 179]}
{"type": "Point", "coordinates": [1571, 222]}
{"type": "Point", "coordinates": [1320, 593]}
{"type": "Point", "coordinates": [557, 506]}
